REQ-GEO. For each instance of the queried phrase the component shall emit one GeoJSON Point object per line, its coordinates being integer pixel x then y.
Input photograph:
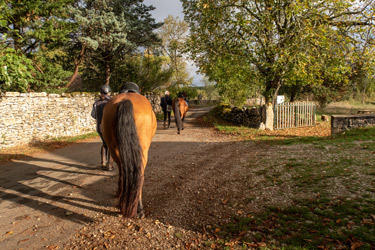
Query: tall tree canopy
{"type": "Point", "coordinates": [147, 70]}
{"type": "Point", "coordinates": [173, 34]}
{"type": "Point", "coordinates": [280, 42]}
{"type": "Point", "coordinates": [44, 42]}
{"type": "Point", "coordinates": [109, 30]}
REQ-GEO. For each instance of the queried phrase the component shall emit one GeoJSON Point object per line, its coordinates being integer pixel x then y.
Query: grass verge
{"type": "Point", "coordinates": [327, 181]}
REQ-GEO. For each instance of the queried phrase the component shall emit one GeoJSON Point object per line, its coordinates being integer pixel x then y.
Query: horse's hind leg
{"type": "Point", "coordinates": [109, 165]}
{"type": "Point", "coordinates": [140, 210]}
{"type": "Point", "coordinates": [103, 156]}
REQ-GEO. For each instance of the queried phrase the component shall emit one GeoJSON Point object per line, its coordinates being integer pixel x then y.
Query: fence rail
{"type": "Point", "coordinates": [294, 114]}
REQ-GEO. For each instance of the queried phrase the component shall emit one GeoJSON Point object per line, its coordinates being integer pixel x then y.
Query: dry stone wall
{"type": "Point", "coordinates": [341, 123]}
{"type": "Point", "coordinates": [31, 117]}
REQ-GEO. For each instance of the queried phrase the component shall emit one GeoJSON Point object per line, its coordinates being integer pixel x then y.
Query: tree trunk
{"type": "Point", "coordinates": [73, 78]}
{"type": "Point", "coordinates": [293, 92]}
{"type": "Point", "coordinates": [270, 101]}
{"type": "Point", "coordinates": [108, 74]}
{"type": "Point", "coordinates": [77, 62]}
{"type": "Point", "coordinates": [269, 116]}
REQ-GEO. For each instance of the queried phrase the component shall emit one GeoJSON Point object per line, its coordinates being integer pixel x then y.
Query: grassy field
{"type": "Point", "coordinates": [349, 107]}
{"type": "Point", "coordinates": [330, 180]}
{"type": "Point", "coordinates": [332, 185]}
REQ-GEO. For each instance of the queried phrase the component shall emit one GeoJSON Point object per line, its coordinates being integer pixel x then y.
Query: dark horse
{"type": "Point", "coordinates": [129, 123]}
{"type": "Point", "coordinates": [180, 108]}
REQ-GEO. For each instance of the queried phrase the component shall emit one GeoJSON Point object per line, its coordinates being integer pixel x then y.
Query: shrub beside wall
{"type": "Point", "coordinates": [30, 117]}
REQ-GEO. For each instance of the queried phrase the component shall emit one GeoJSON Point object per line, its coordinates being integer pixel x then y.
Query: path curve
{"type": "Point", "coordinates": [46, 198]}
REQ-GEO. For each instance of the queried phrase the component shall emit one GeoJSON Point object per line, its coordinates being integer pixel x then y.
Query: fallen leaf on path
{"type": "Point", "coordinates": [251, 244]}
{"type": "Point", "coordinates": [52, 247]}
{"type": "Point", "coordinates": [8, 233]}
{"type": "Point", "coordinates": [22, 241]}
{"type": "Point", "coordinates": [367, 221]}
{"type": "Point", "coordinates": [356, 245]}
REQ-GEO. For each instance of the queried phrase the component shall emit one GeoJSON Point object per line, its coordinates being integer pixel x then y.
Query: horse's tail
{"type": "Point", "coordinates": [131, 159]}
{"type": "Point", "coordinates": [177, 115]}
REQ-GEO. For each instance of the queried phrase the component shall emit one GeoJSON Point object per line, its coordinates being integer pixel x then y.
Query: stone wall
{"type": "Point", "coordinates": [341, 123]}
{"type": "Point", "coordinates": [250, 117]}
{"type": "Point", "coordinates": [30, 117]}
{"type": "Point", "coordinates": [155, 102]}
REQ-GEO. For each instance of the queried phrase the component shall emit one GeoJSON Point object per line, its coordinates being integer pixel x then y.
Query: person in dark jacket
{"type": "Point", "coordinates": [166, 105]}
{"type": "Point", "coordinates": [97, 113]}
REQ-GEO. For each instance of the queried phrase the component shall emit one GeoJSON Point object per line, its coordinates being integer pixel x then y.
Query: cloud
{"type": "Point", "coordinates": [165, 8]}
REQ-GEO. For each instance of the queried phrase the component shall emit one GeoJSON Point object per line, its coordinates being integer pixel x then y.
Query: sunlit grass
{"type": "Point", "coordinates": [336, 174]}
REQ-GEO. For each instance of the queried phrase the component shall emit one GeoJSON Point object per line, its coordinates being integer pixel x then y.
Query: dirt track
{"type": "Point", "coordinates": [46, 199]}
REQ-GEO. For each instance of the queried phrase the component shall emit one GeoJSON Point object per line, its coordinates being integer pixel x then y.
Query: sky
{"type": "Point", "coordinates": [165, 8]}
{"type": "Point", "coordinates": [174, 8]}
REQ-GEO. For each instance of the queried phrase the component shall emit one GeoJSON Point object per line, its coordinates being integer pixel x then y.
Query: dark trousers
{"type": "Point", "coordinates": [167, 114]}
{"type": "Point", "coordinates": [101, 137]}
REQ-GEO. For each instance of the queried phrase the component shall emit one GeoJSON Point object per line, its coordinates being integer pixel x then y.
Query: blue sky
{"type": "Point", "coordinates": [174, 8]}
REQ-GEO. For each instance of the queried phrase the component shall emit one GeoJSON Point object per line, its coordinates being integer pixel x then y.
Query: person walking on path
{"type": "Point", "coordinates": [97, 113]}
{"type": "Point", "coordinates": [166, 105]}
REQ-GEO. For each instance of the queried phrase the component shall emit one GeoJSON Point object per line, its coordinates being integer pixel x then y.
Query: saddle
{"type": "Point", "coordinates": [129, 87]}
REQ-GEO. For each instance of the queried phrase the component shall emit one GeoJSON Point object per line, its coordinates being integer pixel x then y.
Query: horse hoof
{"type": "Point", "coordinates": [141, 215]}
{"type": "Point", "coordinates": [178, 132]}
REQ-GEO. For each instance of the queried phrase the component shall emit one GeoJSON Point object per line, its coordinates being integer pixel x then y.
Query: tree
{"type": "Point", "coordinates": [173, 36]}
{"type": "Point", "coordinates": [36, 23]}
{"type": "Point", "coordinates": [235, 80]}
{"type": "Point", "coordinates": [15, 67]}
{"type": "Point", "coordinates": [209, 89]}
{"type": "Point", "coordinates": [15, 70]}
{"type": "Point", "coordinates": [361, 77]}
{"type": "Point", "coordinates": [103, 32]}
{"type": "Point", "coordinates": [284, 42]}
{"type": "Point", "coordinates": [108, 31]}
{"type": "Point", "coordinates": [147, 70]}
{"type": "Point", "coordinates": [33, 32]}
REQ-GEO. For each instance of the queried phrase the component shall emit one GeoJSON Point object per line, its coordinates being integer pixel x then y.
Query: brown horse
{"type": "Point", "coordinates": [129, 123]}
{"type": "Point", "coordinates": [180, 108]}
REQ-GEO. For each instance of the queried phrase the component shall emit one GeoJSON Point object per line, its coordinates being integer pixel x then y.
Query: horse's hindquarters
{"type": "Point", "coordinates": [129, 124]}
